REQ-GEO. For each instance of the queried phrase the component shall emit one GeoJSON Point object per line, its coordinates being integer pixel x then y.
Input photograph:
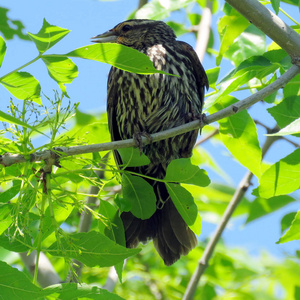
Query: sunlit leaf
{"type": "Point", "coordinates": [61, 69]}
{"type": "Point", "coordinates": [261, 207]}
{"type": "Point", "coordinates": [254, 67]}
{"type": "Point", "coordinates": [5, 217]}
{"type": "Point", "coordinates": [292, 128]}
{"type": "Point", "coordinates": [23, 86]}
{"type": "Point", "coordinates": [293, 233]}
{"type": "Point", "coordinates": [230, 27]}
{"type": "Point", "coordinates": [212, 75]}
{"type": "Point", "coordinates": [117, 55]}
{"type": "Point", "coordinates": [159, 10]}
{"type": "Point", "coordinates": [92, 249]}
{"type": "Point", "coordinates": [181, 170]}
{"type": "Point", "coordinates": [131, 157]}
{"type": "Point", "coordinates": [2, 50]}
{"type": "Point", "coordinates": [287, 111]}
{"type": "Point", "coordinates": [238, 133]}
{"type": "Point", "coordinates": [281, 178]}
{"type": "Point", "coordinates": [287, 220]}
{"type": "Point", "coordinates": [251, 42]}
{"type": "Point", "coordinates": [48, 36]}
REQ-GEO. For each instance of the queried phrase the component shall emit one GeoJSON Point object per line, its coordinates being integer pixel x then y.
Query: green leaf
{"type": "Point", "coordinates": [212, 75]}
{"type": "Point", "coordinates": [287, 220]}
{"type": "Point", "coordinates": [229, 28]}
{"type": "Point", "coordinates": [238, 133]}
{"type": "Point", "coordinates": [61, 69]}
{"type": "Point", "coordinates": [140, 194]}
{"type": "Point", "coordinates": [61, 213]}
{"type": "Point", "coordinates": [5, 217]}
{"type": "Point", "coordinates": [119, 56]}
{"type": "Point", "coordinates": [275, 5]}
{"type": "Point", "coordinates": [23, 86]}
{"type": "Point", "coordinates": [182, 171]}
{"type": "Point", "coordinates": [159, 10]}
{"type": "Point", "coordinates": [17, 243]}
{"type": "Point", "coordinates": [131, 157]}
{"type": "Point", "coordinates": [10, 193]}
{"type": "Point", "coordinates": [48, 36]}
{"type": "Point", "coordinates": [178, 28]}
{"type": "Point", "coordinates": [291, 88]}
{"type": "Point", "coordinates": [281, 178]}
{"type": "Point", "coordinates": [197, 226]}
{"type": "Point", "coordinates": [251, 42]}
{"type": "Point", "coordinates": [293, 232]}
{"type": "Point", "coordinates": [92, 249]}
{"type": "Point", "coordinates": [9, 28]}
{"type": "Point", "coordinates": [292, 128]}
{"type": "Point", "coordinates": [16, 285]}
{"type": "Point", "coordinates": [71, 291]}
{"type": "Point", "coordinates": [2, 50]}
{"type": "Point", "coordinates": [286, 111]}
{"type": "Point", "coordinates": [112, 227]}
{"type": "Point", "coordinates": [261, 207]}
{"type": "Point", "coordinates": [254, 67]}
{"type": "Point", "coordinates": [184, 202]}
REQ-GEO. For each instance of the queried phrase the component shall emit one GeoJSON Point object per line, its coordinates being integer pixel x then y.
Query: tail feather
{"type": "Point", "coordinates": [171, 235]}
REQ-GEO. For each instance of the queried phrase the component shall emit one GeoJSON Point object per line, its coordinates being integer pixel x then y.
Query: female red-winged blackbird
{"type": "Point", "coordinates": [151, 103]}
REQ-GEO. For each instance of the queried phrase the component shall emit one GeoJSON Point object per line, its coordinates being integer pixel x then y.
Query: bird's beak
{"type": "Point", "coordinates": [106, 37]}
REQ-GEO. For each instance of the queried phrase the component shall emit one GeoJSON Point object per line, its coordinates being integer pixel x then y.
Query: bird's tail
{"type": "Point", "coordinates": [171, 235]}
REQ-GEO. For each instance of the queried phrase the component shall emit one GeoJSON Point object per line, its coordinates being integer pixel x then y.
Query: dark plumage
{"type": "Point", "coordinates": [152, 103]}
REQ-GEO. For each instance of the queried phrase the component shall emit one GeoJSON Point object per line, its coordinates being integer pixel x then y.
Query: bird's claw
{"type": "Point", "coordinates": [137, 137]}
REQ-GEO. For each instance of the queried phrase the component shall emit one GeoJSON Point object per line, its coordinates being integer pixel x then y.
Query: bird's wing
{"type": "Point", "coordinates": [112, 99]}
{"type": "Point", "coordinates": [199, 72]}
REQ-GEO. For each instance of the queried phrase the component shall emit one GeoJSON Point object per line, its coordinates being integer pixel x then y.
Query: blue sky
{"type": "Point", "coordinates": [87, 18]}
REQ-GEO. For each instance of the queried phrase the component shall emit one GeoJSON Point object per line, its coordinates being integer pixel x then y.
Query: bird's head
{"type": "Point", "coordinates": [137, 34]}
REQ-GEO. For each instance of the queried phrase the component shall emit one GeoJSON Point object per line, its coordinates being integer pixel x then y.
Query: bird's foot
{"type": "Point", "coordinates": [137, 137]}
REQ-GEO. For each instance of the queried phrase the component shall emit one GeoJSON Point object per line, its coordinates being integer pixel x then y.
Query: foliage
{"type": "Point", "coordinates": [40, 210]}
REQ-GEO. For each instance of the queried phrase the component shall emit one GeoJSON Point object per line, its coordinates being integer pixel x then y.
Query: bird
{"type": "Point", "coordinates": [145, 104]}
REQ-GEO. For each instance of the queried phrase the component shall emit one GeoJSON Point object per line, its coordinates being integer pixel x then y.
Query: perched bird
{"type": "Point", "coordinates": [139, 104]}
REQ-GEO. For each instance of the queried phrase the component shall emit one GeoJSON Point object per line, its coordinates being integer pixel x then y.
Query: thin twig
{"type": "Point", "coordinates": [8, 159]}
{"type": "Point", "coordinates": [209, 249]}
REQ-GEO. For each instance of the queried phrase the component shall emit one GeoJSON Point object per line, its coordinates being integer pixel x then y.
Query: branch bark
{"type": "Point", "coordinates": [8, 159]}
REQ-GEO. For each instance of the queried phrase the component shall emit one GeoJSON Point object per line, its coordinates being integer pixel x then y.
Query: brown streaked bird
{"type": "Point", "coordinates": [151, 103]}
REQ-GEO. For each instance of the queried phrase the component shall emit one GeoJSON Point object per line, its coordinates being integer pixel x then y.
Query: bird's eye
{"type": "Point", "coordinates": [126, 28]}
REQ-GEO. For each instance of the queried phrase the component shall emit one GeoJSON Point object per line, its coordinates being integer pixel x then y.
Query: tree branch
{"type": "Point", "coordinates": [8, 159]}
{"type": "Point", "coordinates": [270, 24]}
{"type": "Point", "coordinates": [209, 249]}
